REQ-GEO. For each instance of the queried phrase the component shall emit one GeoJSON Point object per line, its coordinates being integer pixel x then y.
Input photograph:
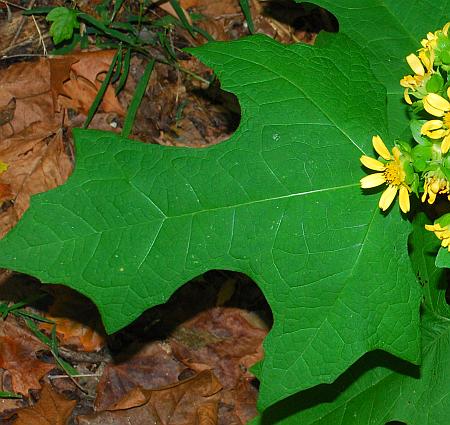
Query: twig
{"type": "Point", "coordinates": [27, 55]}
{"type": "Point", "coordinates": [14, 5]}
{"type": "Point", "coordinates": [22, 23]}
{"type": "Point", "coordinates": [84, 375]}
{"type": "Point", "coordinates": [83, 357]}
{"type": "Point", "coordinates": [23, 43]}
{"type": "Point", "coordinates": [41, 39]}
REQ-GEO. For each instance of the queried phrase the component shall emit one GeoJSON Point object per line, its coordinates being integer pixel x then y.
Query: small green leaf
{"type": "Point", "coordinates": [421, 155]}
{"type": "Point", "coordinates": [64, 21]}
{"type": "Point", "coordinates": [415, 127]}
{"type": "Point", "coordinates": [435, 83]}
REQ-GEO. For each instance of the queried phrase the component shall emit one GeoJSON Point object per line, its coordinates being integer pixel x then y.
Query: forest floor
{"type": "Point", "coordinates": [181, 363]}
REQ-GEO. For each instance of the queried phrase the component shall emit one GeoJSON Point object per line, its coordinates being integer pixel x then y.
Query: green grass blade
{"type": "Point", "coordinates": [180, 12]}
{"type": "Point", "coordinates": [117, 6]}
{"type": "Point", "coordinates": [137, 98]}
{"type": "Point", "coordinates": [38, 10]}
{"type": "Point", "coordinates": [204, 33]}
{"type": "Point", "coordinates": [9, 394]}
{"type": "Point", "coordinates": [125, 70]}
{"type": "Point", "coordinates": [38, 333]}
{"type": "Point", "coordinates": [248, 16]}
{"type": "Point", "coordinates": [39, 318]}
{"type": "Point", "coordinates": [118, 70]}
{"type": "Point", "coordinates": [102, 90]}
{"type": "Point", "coordinates": [107, 31]}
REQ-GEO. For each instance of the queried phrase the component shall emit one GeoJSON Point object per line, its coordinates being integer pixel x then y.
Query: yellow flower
{"type": "Point", "coordinates": [443, 233]}
{"type": "Point", "coordinates": [438, 129]}
{"type": "Point", "coordinates": [434, 185]}
{"type": "Point", "coordinates": [430, 42]}
{"type": "Point", "coordinates": [391, 173]}
{"type": "Point", "coordinates": [422, 66]}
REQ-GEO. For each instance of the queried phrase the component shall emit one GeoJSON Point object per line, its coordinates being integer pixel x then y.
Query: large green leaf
{"type": "Point", "coordinates": [379, 388]}
{"type": "Point", "coordinates": [279, 201]}
{"type": "Point", "coordinates": [388, 31]}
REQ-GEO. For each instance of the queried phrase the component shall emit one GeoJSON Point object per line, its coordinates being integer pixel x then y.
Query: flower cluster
{"type": "Point", "coordinates": [420, 166]}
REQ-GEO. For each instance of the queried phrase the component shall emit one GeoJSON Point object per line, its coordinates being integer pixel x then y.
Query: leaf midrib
{"type": "Point", "coordinates": [165, 218]}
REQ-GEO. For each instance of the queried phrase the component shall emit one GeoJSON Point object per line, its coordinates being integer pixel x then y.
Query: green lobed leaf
{"type": "Point", "coordinates": [64, 21]}
{"type": "Point", "coordinates": [379, 388]}
{"type": "Point", "coordinates": [279, 201]}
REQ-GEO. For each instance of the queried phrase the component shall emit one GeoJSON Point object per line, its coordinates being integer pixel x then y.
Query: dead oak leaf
{"type": "Point", "coordinates": [149, 366]}
{"type": "Point", "coordinates": [76, 79]}
{"type": "Point", "coordinates": [222, 339]}
{"type": "Point", "coordinates": [193, 401]}
{"type": "Point", "coordinates": [18, 347]}
{"type": "Point", "coordinates": [38, 161]}
{"type": "Point", "coordinates": [77, 320]}
{"type": "Point", "coordinates": [51, 409]}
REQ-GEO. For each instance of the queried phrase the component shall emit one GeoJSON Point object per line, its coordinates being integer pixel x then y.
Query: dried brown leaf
{"type": "Point", "coordinates": [37, 161]}
{"type": "Point", "coordinates": [150, 366]}
{"type": "Point", "coordinates": [77, 320]}
{"type": "Point", "coordinates": [227, 341]}
{"type": "Point", "coordinates": [76, 79]}
{"type": "Point", "coordinates": [184, 403]}
{"type": "Point", "coordinates": [220, 338]}
{"type": "Point", "coordinates": [18, 347]}
{"type": "Point", "coordinates": [51, 409]}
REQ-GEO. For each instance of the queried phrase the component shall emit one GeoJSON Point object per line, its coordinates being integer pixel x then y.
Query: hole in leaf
{"type": "Point", "coordinates": [178, 110]}
{"type": "Point", "coordinates": [304, 21]}
{"type": "Point", "coordinates": [216, 322]}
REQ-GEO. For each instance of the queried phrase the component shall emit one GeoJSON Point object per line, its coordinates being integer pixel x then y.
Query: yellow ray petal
{"type": "Point", "coordinates": [445, 145]}
{"type": "Point", "coordinates": [436, 105]}
{"type": "Point", "coordinates": [372, 163]}
{"type": "Point", "coordinates": [426, 60]}
{"type": "Point", "coordinates": [407, 97]}
{"type": "Point", "coordinates": [415, 64]}
{"type": "Point", "coordinates": [404, 199]}
{"type": "Point", "coordinates": [437, 134]}
{"type": "Point", "coordinates": [396, 152]}
{"type": "Point", "coordinates": [387, 197]}
{"type": "Point", "coordinates": [431, 125]}
{"type": "Point", "coordinates": [381, 148]}
{"type": "Point", "coordinates": [373, 180]}
{"type": "Point", "coordinates": [445, 29]}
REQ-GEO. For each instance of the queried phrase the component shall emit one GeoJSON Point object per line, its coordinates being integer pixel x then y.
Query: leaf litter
{"type": "Point", "coordinates": [194, 366]}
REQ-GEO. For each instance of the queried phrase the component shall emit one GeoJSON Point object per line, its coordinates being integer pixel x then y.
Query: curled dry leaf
{"type": "Point", "coordinates": [8, 405]}
{"type": "Point", "coordinates": [77, 320]}
{"type": "Point", "coordinates": [220, 338]}
{"type": "Point", "coordinates": [51, 409]}
{"type": "Point", "coordinates": [184, 403]}
{"type": "Point", "coordinates": [76, 79]}
{"type": "Point", "coordinates": [228, 341]}
{"type": "Point", "coordinates": [32, 102]}
{"type": "Point", "coordinates": [18, 347]}
{"type": "Point", "coordinates": [213, 8]}
{"type": "Point", "coordinates": [38, 162]}
{"type": "Point", "coordinates": [149, 367]}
